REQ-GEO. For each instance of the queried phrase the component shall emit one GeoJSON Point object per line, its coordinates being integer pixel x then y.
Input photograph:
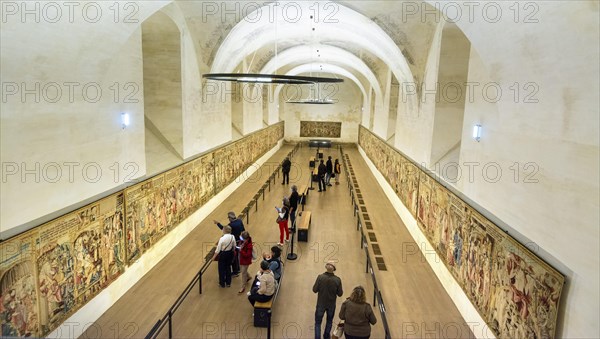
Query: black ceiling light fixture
{"type": "Point", "coordinates": [258, 78]}
{"type": "Point", "coordinates": [323, 101]}
{"type": "Point", "coordinates": [269, 78]}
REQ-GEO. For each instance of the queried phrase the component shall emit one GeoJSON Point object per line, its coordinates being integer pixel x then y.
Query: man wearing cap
{"type": "Point", "coordinates": [328, 287]}
{"type": "Point", "coordinates": [237, 227]}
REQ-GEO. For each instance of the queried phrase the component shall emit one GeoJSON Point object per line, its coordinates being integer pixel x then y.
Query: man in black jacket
{"type": "Point", "coordinates": [285, 170]}
{"type": "Point", "coordinates": [329, 166]}
{"type": "Point", "coordinates": [321, 173]}
{"type": "Point", "coordinates": [237, 227]}
{"type": "Point", "coordinates": [294, 199]}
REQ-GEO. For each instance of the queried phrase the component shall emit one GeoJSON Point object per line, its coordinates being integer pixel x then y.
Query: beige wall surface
{"type": "Point", "coordinates": [534, 89]}
{"type": "Point", "coordinates": [66, 80]}
{"type": "Point", "coordinates": [346, 110]}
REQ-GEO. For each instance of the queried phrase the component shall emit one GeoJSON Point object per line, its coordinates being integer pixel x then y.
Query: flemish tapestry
{"type": "Point", "coordinates": [46, 274]}
{"type": "Point", "coordinates": [18, 288]}
{"type": "Point", "coordinates": [49, 272]}
{"type": "Point", "coordinates": [320, 129]}
{"type": "Point", "coordinates": [516, 292]}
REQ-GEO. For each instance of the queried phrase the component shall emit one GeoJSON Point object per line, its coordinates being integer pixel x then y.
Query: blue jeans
{"type": "Point", "coordinates": [319, 312]}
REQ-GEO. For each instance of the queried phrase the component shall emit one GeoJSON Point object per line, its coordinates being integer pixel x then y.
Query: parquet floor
{"type": "Point", "coordinates": [416, 303]}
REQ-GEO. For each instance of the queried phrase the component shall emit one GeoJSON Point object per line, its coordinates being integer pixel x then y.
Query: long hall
{"type": "Point", "coordinates": [468, 134]}
{"type": "Point", "coordinates": [415, 301]}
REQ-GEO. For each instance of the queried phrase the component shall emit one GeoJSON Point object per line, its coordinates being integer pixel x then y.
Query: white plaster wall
{"type": "Point", "coordinates": [212, 123]}
{"type": "Point", "coordinates": [382, 108]}
{"type": "Point", "coordinates": [237, 106]}
{"type": "Point", "coordinates": [450, 98]}
{"type": "Point", "coordinates": [253, 107]}
{"type": "Point", "coordinates": [161, 50]}
{"type": "Point", "coordinates": [414, 127]}
{"type": "Point", "coordinates": [558, 207]}
{"type": "Point", "coordinates": [347, 111]}
{"type": "Point", "coordinates": [366, 109]}
{"type": "Point", "coordinates": [205, 103]}
{"type": "Point", "coordinates": [75, 325]}
{"type": "Point", "coordinates": [57, 129]}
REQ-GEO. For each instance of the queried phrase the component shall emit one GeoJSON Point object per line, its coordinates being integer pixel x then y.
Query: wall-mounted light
{"type": "Point", "coordinates": [125, 120]}
{"type": "Point", "coordinates": [477, 132]}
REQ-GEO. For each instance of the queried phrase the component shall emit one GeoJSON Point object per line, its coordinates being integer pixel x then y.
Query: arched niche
{"type": "Point", "coordinates": [450, 99]}
{"type": "Point", "coordinates": [161, 48]}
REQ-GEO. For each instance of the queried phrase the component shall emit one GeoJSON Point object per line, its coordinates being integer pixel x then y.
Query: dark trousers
{"type": "Point", "coordinates": [319, 312]}
{"type": "Point", "coordinates": [261, 298]}
{"type": "Point", "coordinates": [225, 258]}
{"type": "Point", "coordinates": [355, 337]}
{"type": "Point", "coordinates": [286, 178]}
{"type": "Point", "coordinates": [293, 219]}
{"type": "Point", "coordinates": [235, 264]}
{"type": "Point", "coordinates": [322, 185]}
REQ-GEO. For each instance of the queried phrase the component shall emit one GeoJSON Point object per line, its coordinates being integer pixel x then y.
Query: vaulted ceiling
{"type": "Point", "coordinates": [365, 39]}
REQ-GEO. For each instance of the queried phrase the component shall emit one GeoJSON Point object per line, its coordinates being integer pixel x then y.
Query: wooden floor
{"type": "Point", "coordinates": [417, 305]}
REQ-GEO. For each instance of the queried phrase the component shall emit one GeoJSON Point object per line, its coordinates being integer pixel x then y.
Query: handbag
{"type": "Point", "coordinates": [338, 332]}
{"type": "Point", "coordinates": [280, 217]}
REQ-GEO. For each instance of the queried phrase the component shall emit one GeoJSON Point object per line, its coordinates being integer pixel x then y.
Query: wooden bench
{"type": "Point", "coordinates": [303, 193]}
{"type": "Point", "coordinates": [303, 226]}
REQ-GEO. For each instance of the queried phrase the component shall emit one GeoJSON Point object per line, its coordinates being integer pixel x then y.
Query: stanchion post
{"type": "Point", "coordinates": [292, 255]}
{"type": "Point", "coordinates": [170, 325]}
{"type": "Point", "coordinates": [269, 324]}
{"type": "Point", "coordinates": [200, 283]}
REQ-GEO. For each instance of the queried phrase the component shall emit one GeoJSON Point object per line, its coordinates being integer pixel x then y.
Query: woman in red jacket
{"type": "Point", "coordinates": [245, 248]}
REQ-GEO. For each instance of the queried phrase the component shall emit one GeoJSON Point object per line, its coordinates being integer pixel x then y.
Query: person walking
{"type": "Point", "coordinates": [337, 170]}
{"type": "Point", "coordinates": [286, 166]}
{"type": "Point", "coordinates": [328, 287]}
{"type": "Point", "coordinates": [322, 170]}
{"type": "Point", "coordinates": [282, 220]}
{"type": "Point", "coordinates": [224, 251]}
{"type": "Point", "coordinates": [329, 169]}
{"type": "Point", "coordinates": [245, 249]}
{"type": "Point", "coordinates": [358, 315]}
{"type": "Point", "coordinates": [237, 227]}
{"type": "Point", "coordinates": [294, 199]}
